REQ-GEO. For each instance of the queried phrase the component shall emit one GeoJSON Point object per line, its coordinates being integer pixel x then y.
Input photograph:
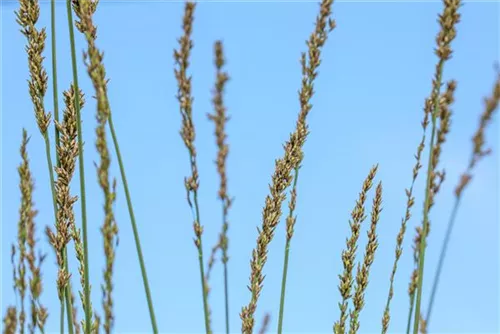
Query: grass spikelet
{"type": "Point", "coordinates": [478, 153]}
{"type": "Point", "coordinates": [187, 132]}
{"type": "Point", "coordinates": [27, 17]}
{"type": "Point", "coordinates": [25, 214]}
{"type": "Point", "coordinates": [220, 119]}
{"type": "Point", "coordinates": [70, 151]}
{"type": "Point", "coordinates": [282, 176]}
{"type": "Point", "coordinates": [38, 311]}
{"type": "Point", "coordinates": [363, 271]}
{"type": "Point", "coordinates": [447, 20]}
{"type": "Point", "coordinates": [349, 254]}
{"type": "Point", "coordinates": [67, 151]}
{"type": "Point", "coordinates": [10, 321]}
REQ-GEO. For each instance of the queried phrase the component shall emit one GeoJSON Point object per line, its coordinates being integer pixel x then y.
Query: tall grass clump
{"type": "Point", "coordinates": [30, 313]}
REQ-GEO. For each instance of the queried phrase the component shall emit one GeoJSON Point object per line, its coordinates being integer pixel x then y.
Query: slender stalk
{"type": "Point", "coordinates": [400, 237]}
{"type": "Point", "coordinates": [54, 70]}
{"type": "Point", "coordinates": [478, 152]}
{"type": "Point", "coordinates": [134, 227]}
{"type": "Point", "coordinates": [199, 244]}
{"type": "Point", "coordinates": [283, 287]}
{"type": "Point", "coordinates": [57, 136]}
{"type": "Point", "coordinates": [82, 28]}
{"type": "Point", "coordinates": [442, 256]}
{"type": "Point", "coordinates": [287, 252]}
{"type": "Point", "coordinates": [188, 135]}
{"type": "Point", "coordinates": [421, 260]}
{"type": "Point", "coordinates": [226, 297]}
{"type": "Point", "coordinates": [56, 104]}
{"type": "Point", "coordinates": [86, 292]}
{"type": "Point", "coordinates": [427, 203]}
{"type": "Point", "coordinates": [220, 119]}
{"type": "Point", "coordinates": [61, 320]}
{"type": "Point", "coordinates": [447, 20]}
{"type": "Point", "coordinates": [410, 313]}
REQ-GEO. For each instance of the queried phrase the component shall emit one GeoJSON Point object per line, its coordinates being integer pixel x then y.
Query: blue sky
{"type": "Point", "coordinates": [376, 72]}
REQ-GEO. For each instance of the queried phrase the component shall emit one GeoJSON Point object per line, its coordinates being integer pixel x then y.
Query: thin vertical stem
{"type": "Point", "coordinates": [423, 239]}
{"type": "Point", "coordinates": [202, 269]}
{"type": "Point", "coordinates": [56, 117]}
{"type": "Point", "coordinates": [86, 292]}
{"type": "Point", "coordinates": [442, 256]}
{"type": "Point", "coordinates": [285, 261]}
{"type": "Point", "coordinates": [226, 296]}
{"type": "Point", "coordinates": [410, 313]}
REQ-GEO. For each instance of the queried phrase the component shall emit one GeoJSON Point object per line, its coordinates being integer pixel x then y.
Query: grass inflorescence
{"type": "Point", "coordinates": [30, 314]}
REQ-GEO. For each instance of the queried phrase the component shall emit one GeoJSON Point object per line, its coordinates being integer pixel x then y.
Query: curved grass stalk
{"type": "Point", "coordinates": [134, 226]}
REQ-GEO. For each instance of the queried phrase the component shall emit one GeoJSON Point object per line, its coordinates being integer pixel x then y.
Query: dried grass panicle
{"type": "Point", "coordinates": [10, 321]}
{"type": "Point", "coordinates": [181, 57]}
{"type": "Point", "coordinates": [282, 176]}
{"type": "Point", "coordinates": [363, 271]}
{"type": "Point", "coordinates": [77, 8]}
{"type": "Point", "coordinates": [27, 17]}
{"type": "Point", "coordinates": [69, 152]}
{"type": "Point", "coordinates": [39, 313]}
{"type": "Point", "coordinates": [446, 99]}
{"type": "Point", "coordinates": [220, 119]}
{"type": "Point", "coordinates": [110, 236]}
{"type": "Point", "coordinates": [26, 213]}
{"type": "Point", "coordinates": [185, 99]}
{"type": "Point", "coordinates": [479, 151]}
{"type": "Point", "coordinates": [437, 177]}
{"type": "Point", "coordinates": [65, 217]}
{"type": "Point", "coordinates": [349, 254]}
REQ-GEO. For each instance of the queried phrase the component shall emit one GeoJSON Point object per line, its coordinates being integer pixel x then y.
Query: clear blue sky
{"type": "Point", "coordinates": [376, 72]}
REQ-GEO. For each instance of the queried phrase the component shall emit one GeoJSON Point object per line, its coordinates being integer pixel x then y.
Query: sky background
{"type": "Point", "coordinates": [376, 71]}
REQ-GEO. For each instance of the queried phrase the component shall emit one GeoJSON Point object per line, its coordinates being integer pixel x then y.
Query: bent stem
{"type": "Point", "coordinates": [134, 226]}
{"type": "Point", "coordinates": [86, 292]}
